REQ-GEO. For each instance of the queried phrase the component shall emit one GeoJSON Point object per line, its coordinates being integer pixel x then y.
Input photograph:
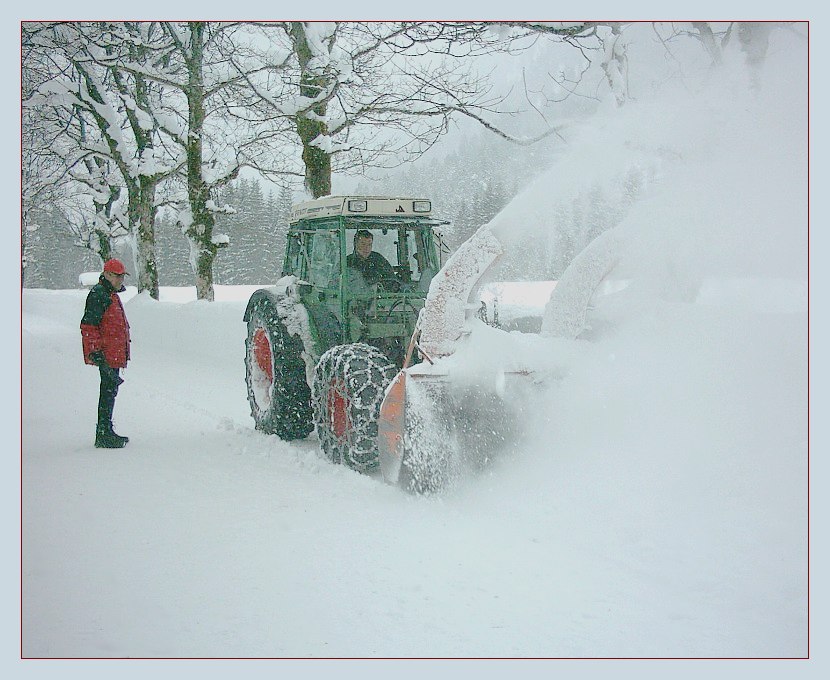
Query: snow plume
{"type": "Point", "coordinates": [455, 427]}
{"type": "Point", "coordinates": [567, 307]}
{"type": "Point", "coordinates": [706, 183]}
{"type": "Point", "coordinates": [686, 394]}
{"type": "Point", "coordinates": [430, 440]}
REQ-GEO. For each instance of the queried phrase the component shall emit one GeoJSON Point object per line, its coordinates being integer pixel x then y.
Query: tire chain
{"type": "Point", "coordinates": [363, 372]}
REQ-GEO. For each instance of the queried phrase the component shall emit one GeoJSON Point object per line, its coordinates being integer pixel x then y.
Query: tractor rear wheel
{"type": "Point", "coordinates": [275, 374]}
{"type": "Point", "coordinates": [349, 385]}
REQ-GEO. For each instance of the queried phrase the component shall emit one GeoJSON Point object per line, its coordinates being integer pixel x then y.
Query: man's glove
{"type": "Point", "coordinates": [97, 358]}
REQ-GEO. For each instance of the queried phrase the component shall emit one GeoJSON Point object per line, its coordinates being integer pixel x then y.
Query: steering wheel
{"type": "Point", "coordinates": [391, 284]}
{"type": "Point", "coordinates": [406, 304]}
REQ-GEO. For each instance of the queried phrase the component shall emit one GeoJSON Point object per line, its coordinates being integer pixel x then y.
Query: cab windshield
{"type": "Point", "coordinates": [404, 248]}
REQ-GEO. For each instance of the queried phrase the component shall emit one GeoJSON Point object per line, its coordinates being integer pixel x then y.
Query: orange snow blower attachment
{"type": "Point", "coordinates": [436, 424]}
{"type": "Point", "coordinates": [391, 425]}
{"type": "Point", "coordinates": [392, 420]}
{"type": "Point", "coordinates": [437, 417]}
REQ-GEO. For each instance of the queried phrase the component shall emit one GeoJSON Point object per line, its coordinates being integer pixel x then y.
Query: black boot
{"type": "Point", "coordinates": [108, 440]}
{"type": "Point", "coordinates": [118, 437]}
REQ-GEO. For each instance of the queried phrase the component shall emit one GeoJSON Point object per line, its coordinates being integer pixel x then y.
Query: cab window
{"type": "Point", "coordinates": [325, 260]}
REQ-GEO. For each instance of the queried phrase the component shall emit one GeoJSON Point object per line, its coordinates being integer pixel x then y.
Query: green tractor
{"type": "Point", "coordinates": [324, 343]}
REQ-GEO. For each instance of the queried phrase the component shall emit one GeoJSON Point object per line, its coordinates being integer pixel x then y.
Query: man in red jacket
{"type": "Point", "coordinates": [105, 335]}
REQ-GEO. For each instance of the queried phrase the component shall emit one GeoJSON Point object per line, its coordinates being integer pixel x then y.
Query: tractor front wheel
{"type": "Point", "coordinates": [348, 388]}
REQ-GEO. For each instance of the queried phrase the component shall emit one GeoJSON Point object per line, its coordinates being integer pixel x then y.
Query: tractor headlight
{"type": "Point", "coordinates": [357, 206]}
{"type": "Point", "coordinates": [421, 206]}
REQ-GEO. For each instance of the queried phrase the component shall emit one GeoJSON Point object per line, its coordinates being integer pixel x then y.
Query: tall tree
{"type": "Point", "coordinates": [367, 95]}
{"type": "Point", "coordinates": [97, 109]}
{"type": "Point", "coordinates": [209, 65]}
{"type": "Point", "coordinates": [198, 219]}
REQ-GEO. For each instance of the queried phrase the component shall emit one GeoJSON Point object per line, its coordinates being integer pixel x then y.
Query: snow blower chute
{"type": "Point", "coordinates": [472, 392]}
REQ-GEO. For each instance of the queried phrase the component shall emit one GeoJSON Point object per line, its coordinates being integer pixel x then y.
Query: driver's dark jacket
{"type": "Point", "coordinates": [374, 268]}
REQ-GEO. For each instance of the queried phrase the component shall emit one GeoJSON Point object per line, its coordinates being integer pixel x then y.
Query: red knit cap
{"type": "Point", "coordinates": [115, 266]}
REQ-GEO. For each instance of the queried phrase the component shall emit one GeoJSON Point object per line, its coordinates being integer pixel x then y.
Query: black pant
{"type": "Point", "coordinates": [110, 380]}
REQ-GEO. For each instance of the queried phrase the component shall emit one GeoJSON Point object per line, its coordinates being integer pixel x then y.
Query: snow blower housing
{"type": "Point", "coordinates": [327, 339]}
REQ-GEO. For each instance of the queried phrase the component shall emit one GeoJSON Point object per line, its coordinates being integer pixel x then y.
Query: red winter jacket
{"type": "Point", "coordinates": [104, 325]}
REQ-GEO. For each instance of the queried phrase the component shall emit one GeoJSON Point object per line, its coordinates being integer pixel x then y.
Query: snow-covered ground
{"type": "Point", "coordinates": [658, 507]}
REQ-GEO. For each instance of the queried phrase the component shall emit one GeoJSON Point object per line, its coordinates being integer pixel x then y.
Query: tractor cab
{"type": "Point", "coordinates": [345, 304]}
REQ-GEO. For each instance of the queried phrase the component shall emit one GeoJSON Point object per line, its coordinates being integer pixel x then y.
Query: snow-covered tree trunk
{"type": "Point", "coordinates": [100, 240]}
{"type": "Point", "coordinates": [707, 37]}
{"type": "Point", "coordinates": [142, 187]}
{"type": "Point", "coordinates": [311, 124]}
{"type": "Point", "coordinates": [753, 37]}
{"type": "Point", "coordinates": [105, 194]}
{"type": "Point", "coordinates": [144, 228]}
{"type": "Point", "coordinates": [200, 231]}
{"type": "Point", "coordinates": [615, 64]}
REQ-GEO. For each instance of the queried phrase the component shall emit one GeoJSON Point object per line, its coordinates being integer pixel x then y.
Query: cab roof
{"type": "Point", "coordinates": [361, 206]}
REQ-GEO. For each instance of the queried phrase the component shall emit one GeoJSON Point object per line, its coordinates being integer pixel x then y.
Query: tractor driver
{"type": "Point", "coordinates": [374, 266]}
